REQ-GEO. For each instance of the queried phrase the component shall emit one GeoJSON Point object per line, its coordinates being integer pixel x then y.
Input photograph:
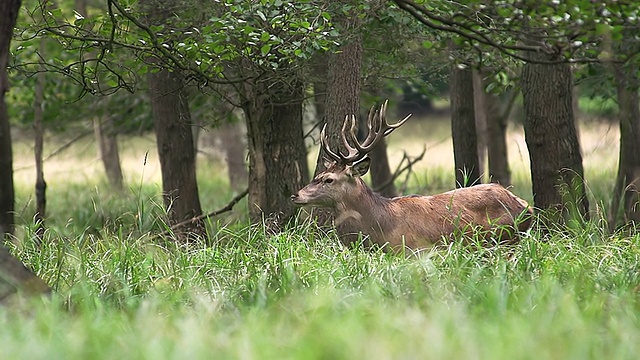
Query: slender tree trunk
{"type": "Point", "coordinates": [232, 139]}
{"type": "Point", "coordinates": [172, 125]}
{"type": "Point", "coordinates": [497, 120]}
{"type": "Point", "coordinates": [480, 108]}
{"type": "Point", "coordinates": [381, 176]}
{"type": "Point", "coordinates": [463, 127]}
{"type": "Point", "coordinates": [105, 131]}
{"type": "Point", "coordinates": [8, 15]}
{"type": "Point", "coordinates": [106, 136]}
{"type": "Point", "coordinates": [41, 185]}
{"type": "Point", "coordinates": [629, 165]}
{"type": "Point", "coordinates": [277, 154]}
{"type": "Point", "coordinates": [556, 163]}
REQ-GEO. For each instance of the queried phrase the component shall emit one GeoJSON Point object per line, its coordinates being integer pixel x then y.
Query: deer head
{"type": "Point", "coordinates": [344, 170]}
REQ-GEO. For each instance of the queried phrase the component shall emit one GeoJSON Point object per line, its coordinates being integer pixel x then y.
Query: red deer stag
{"type": "Point", "coordinates": [414, 221]}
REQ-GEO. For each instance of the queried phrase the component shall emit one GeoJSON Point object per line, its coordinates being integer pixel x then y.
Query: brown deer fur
{"type": "Point", "coordinates": [415, 222]}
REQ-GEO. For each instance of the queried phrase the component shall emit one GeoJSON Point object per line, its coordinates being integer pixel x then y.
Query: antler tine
{"type": "Point", "coordinates": [378, 129]}
{"type": "Point", "coordinates": [352, 151]}
{"type": "Point", "coordinates": [388, 128]}
{"type": "Point", "coordinates": [325, 145]}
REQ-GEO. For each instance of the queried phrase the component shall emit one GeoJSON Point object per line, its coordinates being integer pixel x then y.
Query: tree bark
{"type": "Point", "coordinates": [38, 129]}
{"type": "Point", "coordinates": [343, 92]}
{"type": "Point", "coordinates": [277, 154]}
{"type": "Point", "coordinates": [497, 120]}
{"type": "Point", "coordinates": [172, 125]}
{"type": "Point", "coordinates": [232, 139]}
{"type": "Point", "coordinates": [629, 163]}
{"type": "Point", "coordinates": [320, 69]}
{"type": "Point", "coordinates": [381, 176]}
{"type": "Point", "coordinates": [556, 162]}
{"type": "Point", "coordinates": [463, 127]}
{"type": "Point", "coordinates": [8, 15]}
{"type": "Point", "coordinates": [105, 131]}
{"type": "Point", "coordinates": [15, 277]}
{"type": "Point", "coordinates": [107, 139]}
{"type": "Point", "coordinates": [480, 108]}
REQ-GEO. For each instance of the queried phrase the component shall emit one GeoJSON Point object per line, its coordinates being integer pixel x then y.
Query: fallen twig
{"type": "Point", "coordinates": [223, 210]}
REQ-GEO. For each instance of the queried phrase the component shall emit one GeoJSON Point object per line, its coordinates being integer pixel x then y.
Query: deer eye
{"type": "Point", "coordinates": [328, 181]}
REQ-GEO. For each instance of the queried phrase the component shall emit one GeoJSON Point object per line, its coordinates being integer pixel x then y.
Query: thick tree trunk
{"type": "Point", "coordinates": [629, 164]}
{"type": "Point", "coordinates": [8, 15]}
{"type": "Point", "coordinates": [320, 68]}
{"type": "Point", "coordinates": [172, 125]}
{"type": "Point", "coordinates": [277, 154]}
{"type": "Point", "coordinates": [343, 92]}
{"type": "Point", "coordinates": [556, 163]}
{"type": "Point", "coordinates": [463, 127]}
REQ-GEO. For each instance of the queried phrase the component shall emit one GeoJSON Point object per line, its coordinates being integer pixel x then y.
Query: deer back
{"type": "Point", "coordinates": [419, 222]}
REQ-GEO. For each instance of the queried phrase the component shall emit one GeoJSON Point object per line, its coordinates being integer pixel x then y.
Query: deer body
{"type": "Point", "coordinates": [414, 221]}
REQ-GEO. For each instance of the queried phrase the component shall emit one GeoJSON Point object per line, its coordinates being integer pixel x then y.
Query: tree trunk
{"type": "Point", "coordinates": [106, 137]}
{"type": "Point", "coordinates": [343, 92]}
{"type": "Point", "coordinates": [172, 125]}
{"type": "Point", "coordinates": [556, 163]}
{"type": "Point", "coordinates": [320, 68]}
{"type": "Point", "coordinates": [480, 108]}
{"type": "Point", "coordinates": [8, 15]}
{"type": "Point", "coordinates": [463, 127]}
{"type": "Point", "coordinates": [15, 277]}
{"type": "Point", "coordinates": [497, 120]}
{"type": "Point", "coordinates": [38, 129]}
{"type": "Point", "coordinates": [104, 130]}
{"type": "Point", "coordinates": [232, 139]}
{"type": "Point", "coordinates": [381, 176]}
{"type": "Point", "coordinates": [277, 154]}
{"type": "Point", "coordinates": [629, 164]}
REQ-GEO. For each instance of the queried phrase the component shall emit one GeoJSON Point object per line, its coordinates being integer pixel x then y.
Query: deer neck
{"type": "Point", "coordinates": [361, 208]}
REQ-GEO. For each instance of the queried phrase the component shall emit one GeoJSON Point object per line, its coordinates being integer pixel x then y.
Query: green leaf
{"type": "Point", "coordinates": [427, 44]}
{"type": "Point", "coordinates": [265, 49]}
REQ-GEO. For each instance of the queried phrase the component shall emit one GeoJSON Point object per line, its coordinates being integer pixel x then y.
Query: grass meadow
{"type": "Point", "coordinates": [120, 291]}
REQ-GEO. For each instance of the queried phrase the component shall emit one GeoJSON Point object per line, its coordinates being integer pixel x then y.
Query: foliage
{"type": "Point", "coordinates": [197, 39]}
{"type": "Point", "coordinates": [495, 34]}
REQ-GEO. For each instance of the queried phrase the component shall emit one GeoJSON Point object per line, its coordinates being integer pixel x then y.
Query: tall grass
{"type": "Point", "coordinates": [242, 292]}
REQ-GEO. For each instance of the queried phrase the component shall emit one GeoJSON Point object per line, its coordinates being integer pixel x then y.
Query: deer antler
{"type": "Point", "coordinates": [378, 129]}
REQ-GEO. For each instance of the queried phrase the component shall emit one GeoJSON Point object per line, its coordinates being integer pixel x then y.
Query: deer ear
{"type": "Point", "coordinates": [360, 168]}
